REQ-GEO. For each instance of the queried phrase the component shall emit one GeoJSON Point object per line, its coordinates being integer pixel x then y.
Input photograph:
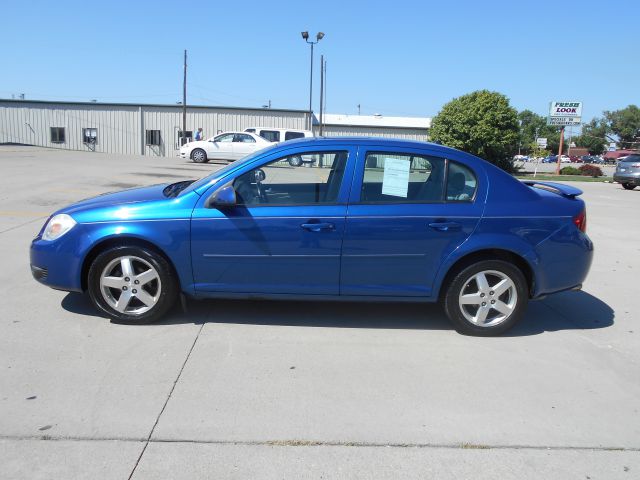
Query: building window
{"type": "Point", "coordinates": [90, 136]}
{"type": "Point", "coordinates": [57, 135]}
{"type": "Point", "coordinates": [153, 137]}
{"type": "Point", "coordinates": [188, 136]}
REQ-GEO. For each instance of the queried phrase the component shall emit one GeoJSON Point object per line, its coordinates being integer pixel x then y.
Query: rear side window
{"type": "Point", "coordinates": [270, 135]}
{"type": "Point", "coordinates": [402, 178]}
{"type": "Point", "coordinates": [292, 135]}
{"type": "Point", "coordinates": [461, 183]}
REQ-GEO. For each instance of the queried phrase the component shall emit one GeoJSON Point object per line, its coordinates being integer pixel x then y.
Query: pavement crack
{"type": "Point", "coordinates": [175, 382]}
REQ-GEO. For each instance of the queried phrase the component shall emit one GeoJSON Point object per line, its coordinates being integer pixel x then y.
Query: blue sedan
{"type": "Point", "coordinates": [360, 219]}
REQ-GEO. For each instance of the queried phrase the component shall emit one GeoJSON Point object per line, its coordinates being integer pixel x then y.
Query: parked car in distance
{"type": "Point", "coordinates": [550, 159]}
{"type": "Point", "coordinates": [225, 146]}
{"type": "Point", "coordinates": [370, 219]}
{"type": "Point", "coordinates": [575, 159]}
{"type": "Point", "coordinates": [564, 159]}
{"type": "Point", "coordinates": [628, 171]}
{"type": "Point", "coordinates": [279, 134]}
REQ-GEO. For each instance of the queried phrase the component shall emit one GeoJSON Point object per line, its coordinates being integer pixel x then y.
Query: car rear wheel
{"type": "Point", "coordinates": [199, 156]}
{"type": "Point", "coordinates": [628, 186]}
{"type": "Point", "coordinates": [295, 161]}
{"type": "Point", "coordinates": [486, 298]}
{"type": "Point", "coordinates": [132, 285]}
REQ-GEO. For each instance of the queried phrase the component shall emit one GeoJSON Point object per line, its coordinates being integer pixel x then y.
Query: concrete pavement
{"type": "Point", "coordinates": [308, 390]}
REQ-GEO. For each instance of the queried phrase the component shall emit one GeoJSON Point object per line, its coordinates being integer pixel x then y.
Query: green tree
{"type": "Point", "coordinates": [625, 124]}
{"type": "Point", "coordinates": [532, 123]}
{"type": "Point", "coordinates": [481, 123]}
{"type": "Point", "coordinates": [593, 136]}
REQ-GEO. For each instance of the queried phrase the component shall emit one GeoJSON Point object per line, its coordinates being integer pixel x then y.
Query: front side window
{"type": "Point", "coordinates": [270, 135]}
{"type": "Point", "coordinates": [226, 137]}
{"type": "Point", "coordinates": [243, 138]}
{"type": "Point", "coordinates": [402, 178]}
{"type": "Point", "coordinates": [57, 135]}
{"type": "Point", "coordinates": [307, 179]}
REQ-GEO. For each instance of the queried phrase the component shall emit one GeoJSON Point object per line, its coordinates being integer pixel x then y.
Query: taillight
{"type": "Point", "coordinates": [581, 221]}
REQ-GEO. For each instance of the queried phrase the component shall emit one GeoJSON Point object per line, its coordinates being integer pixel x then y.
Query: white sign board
{"type": "Point", "coordinates": [563, 114]}
{"type": "Point", "coordinates": [396, 177]}
{"type": "Point", "coordinates": [564, 121]}
{"type": "Point", "coordinates": [565, 109]}
{"type": "Point", "coordinates": [542, 142]}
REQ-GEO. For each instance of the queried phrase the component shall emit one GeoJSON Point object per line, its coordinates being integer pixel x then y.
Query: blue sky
{"type": "Point", "coordinates": [405, 58]}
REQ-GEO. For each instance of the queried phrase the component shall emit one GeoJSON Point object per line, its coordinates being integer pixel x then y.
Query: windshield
{"type": "Point", "coordinates": [215, 176]}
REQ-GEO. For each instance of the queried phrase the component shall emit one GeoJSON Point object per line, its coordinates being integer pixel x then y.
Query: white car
{"type": "Point", "coordinates": [225, 146]}
{"type": "Point", "coordinates": [564, 159]}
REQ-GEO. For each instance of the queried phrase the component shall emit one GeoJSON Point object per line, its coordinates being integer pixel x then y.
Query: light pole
{"type": "Point", "coordinates": [305, 36]}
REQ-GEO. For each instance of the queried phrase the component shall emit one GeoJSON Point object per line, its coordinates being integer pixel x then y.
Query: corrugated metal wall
{"type": "Point", "coordinates": [402, 133]}
{"type": "Point", "coordinates": [121, 128]}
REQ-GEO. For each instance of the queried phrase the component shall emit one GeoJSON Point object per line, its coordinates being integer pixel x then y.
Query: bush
{"type": "Point", "coordinates": [570, 171]}
{"type": "Point", "coordinates": [590, 171]}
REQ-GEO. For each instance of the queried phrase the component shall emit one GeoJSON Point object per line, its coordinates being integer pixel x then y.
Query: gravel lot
{"type": "Point", "coordinates": [300, 390]}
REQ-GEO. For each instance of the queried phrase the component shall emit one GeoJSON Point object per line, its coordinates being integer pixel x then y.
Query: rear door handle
{"type": "Point", "coordinates": [445, 226]}
{"type": "Point", "coordinates": [316, 227]}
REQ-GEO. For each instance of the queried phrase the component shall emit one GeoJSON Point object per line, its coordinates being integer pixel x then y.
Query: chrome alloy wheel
{"type": "Point", "coordinates": [130, 285]}
{"type": "Point", "coordinates": [199, 156]}
{"type": "Point", "coordinates": [488, 298]}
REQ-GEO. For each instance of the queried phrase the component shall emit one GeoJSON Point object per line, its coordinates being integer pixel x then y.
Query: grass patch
{"type": "Point", "coordinates": [564, 178]}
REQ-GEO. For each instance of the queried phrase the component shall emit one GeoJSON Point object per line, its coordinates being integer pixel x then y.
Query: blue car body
{"type": "Point", "coordinates": [373, 251]}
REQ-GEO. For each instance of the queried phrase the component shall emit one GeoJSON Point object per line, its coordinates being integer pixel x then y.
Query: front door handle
{"type": "Point", "coordinates": [316, 227]}
{"type": "Point", "coordinates": [445, 226]}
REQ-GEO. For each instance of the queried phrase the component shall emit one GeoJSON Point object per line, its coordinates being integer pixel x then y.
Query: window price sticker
{"type": "Point", "coordinates": [396, 177]}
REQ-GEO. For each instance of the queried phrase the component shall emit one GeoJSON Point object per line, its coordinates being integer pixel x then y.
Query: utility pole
{"type": "Point", "coordinates": [560, 151]}
{"type": "Point", "coordinates": [184, 102]}
{"type": "Point", "coordinates": [321, 91]}
{"type": "Point", "coordinates": [358, 109]}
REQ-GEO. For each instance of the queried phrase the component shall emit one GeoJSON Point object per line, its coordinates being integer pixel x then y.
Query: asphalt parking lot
{"type": "Point", "coordinates": [236, 389]}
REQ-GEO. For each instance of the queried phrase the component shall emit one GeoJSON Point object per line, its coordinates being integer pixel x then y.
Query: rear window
{"type": "Point", "coordinates": [292, 135]}
{"type": "Point", "coordinates": [270, 135]}
{"type": "Point", "coordinates": [631, 159]}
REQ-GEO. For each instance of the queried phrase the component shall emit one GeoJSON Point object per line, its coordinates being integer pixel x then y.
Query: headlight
{"type": "Point", "coordinates": [58, 226]}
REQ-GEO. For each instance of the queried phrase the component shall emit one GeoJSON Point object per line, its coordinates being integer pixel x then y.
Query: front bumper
{"type": "Point", "coordinates": [57, 264]}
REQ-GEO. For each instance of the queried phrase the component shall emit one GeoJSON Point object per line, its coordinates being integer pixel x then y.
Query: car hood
{"type": "Point", "coordinates": [114, 199]}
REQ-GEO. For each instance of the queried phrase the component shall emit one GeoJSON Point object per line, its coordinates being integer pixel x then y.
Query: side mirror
{"type": "Point", "coordinates": [225, 197]}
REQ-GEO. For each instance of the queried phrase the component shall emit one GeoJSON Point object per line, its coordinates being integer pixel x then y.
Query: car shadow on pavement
{"type": "Point", "coordinates": [565, 311]}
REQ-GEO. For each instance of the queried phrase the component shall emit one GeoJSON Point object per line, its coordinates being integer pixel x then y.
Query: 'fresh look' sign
{"type": "Point", "coordinates": [565, 113]}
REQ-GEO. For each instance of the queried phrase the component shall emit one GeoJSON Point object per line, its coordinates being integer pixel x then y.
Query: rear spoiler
{"type": "Point", "coordinates": [559, 188]}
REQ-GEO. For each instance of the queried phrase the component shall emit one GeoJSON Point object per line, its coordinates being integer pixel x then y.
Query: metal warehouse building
{"type": "Point", "coordinates": [408, 128]}
{"type": "Point", "coordinates": [156, 129]}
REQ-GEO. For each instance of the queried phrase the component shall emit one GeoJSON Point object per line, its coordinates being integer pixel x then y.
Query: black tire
{"type": "Point", "coordinates": [628, 186]}
{"type": "Point", "coordinates": [198, 155]}
{"type": "Point", "coordinates": [295, 161]}
{"type": "Point", "coordinates": [163, 289]}
{"type": "Point", "coordinates": [493, 271]}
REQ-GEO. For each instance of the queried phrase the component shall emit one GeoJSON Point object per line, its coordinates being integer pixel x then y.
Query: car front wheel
{"type": "Point", "coordinates": [628, 186]}
{"type": "Point", "coordinates": [132, 285]}
{"type": "Point", "coordinates": [486, 298]}
{"type": "Point", "coordinates": [199, 156]}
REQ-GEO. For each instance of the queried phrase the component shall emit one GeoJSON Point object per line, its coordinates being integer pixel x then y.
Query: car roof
{"type": "Point", "coordinates": [278, 129]}
{"type": "Point", "coordinates": [376, 141]}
